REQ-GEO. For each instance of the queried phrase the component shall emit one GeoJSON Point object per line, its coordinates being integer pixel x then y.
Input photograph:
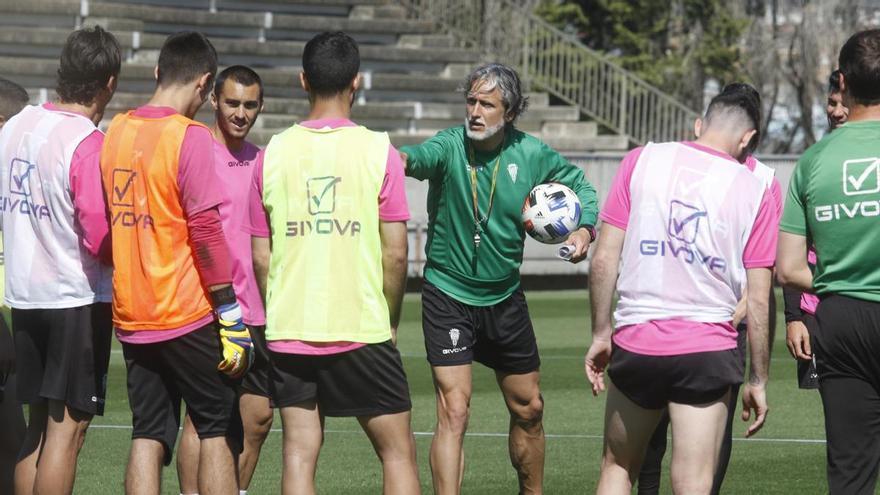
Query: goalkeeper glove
{"type": "Point", "coordinates": [238, 349]}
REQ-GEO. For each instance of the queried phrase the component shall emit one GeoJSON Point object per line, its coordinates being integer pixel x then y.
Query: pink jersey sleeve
{"type": "Point", "coordinates": [760, 251]}
{"type": "Point", "coordinates": [776, 193]}
{"type": "Point", "coordinates": [393, 206]}
{"type": "Point", "coordinates": [617, 205]}
{"type": "Point", "coordinates": [257, 223]}
{"type": "Point", "coordinates": [196, 174]}
{"type": "Point", "coordinates": [87, 193]}
{"type": "Point", "coordinates": [210, 250]}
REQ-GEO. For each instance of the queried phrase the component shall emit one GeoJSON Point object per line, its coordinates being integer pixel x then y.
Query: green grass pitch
{"type": "Point", "coordinates": [788, 456]}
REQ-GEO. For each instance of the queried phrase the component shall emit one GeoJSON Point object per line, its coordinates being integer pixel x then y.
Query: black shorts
{"type": "Point", "coordinates": [499, 336]}
{"type": "Point", "coordinates": [368, 381]}
{"type": "Point", "coordinates": [256, 381]}
{"type": "Point", "coordinates": [654, 381]}
{"type": "Point", "coordinates": [162, 374]}
{"type": "Point", "coordinates": [63, 354]}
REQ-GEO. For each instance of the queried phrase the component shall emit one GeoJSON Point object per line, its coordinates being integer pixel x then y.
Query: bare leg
{"type": "Point", "coordinates": [522, 394]}
{"type": "Point", "coordinates": [303, 435]}
{"type": "Point", "coordinates": [217, 469]}
{"type": "Point", "coordinates": [256, 417]}
{"type": "Point", "coordinates": [144, 473]}
{"type": "Point", "coordinates": [65, 434]}
{"type": "Point", "coordinates": [393, 441]}
{"type": "Point", "coordinates": [26, 467]}
{"type": "Point", "coordinates": [188, 458]}
{"type": "Point", "coordinates": [452, 385]}
{"type": "Point", "coordinates": [697, 432]}
{"type": "Point", "coordinates": [628, 428]}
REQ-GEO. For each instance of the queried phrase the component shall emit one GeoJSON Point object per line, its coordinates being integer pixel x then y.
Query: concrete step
{"type": "Point", "coordinates": [47, 42]}
{"type": "Point", "coordinates": [599, 143]}
{"type": "Point", "coordinates": [40, 72]}
{"type": "Point", "coordinates": [573, 129]}
{"type": "Point", "coordinates": [314, 7]}
{"type": "Point", "coordinates": [426, 41]}
{"type": "Point", "coordinates": [384, 29]}
{"type": "Point", "coordinates": [538, 99]}
{"type": "Point", "coordinates": [400, 116]}
{"type": "Point", "coordinates": [389, 124]}
{"type": "Point", "coordinates": [377, 12]}
{"type": "Point", "coordinates": [596, 143]}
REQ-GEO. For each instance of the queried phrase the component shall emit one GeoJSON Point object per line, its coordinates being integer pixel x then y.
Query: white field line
{"type": "Point", "coordinates": [561, 436]}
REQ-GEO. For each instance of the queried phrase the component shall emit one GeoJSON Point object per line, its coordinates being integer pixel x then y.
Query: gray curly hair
{"type": "Point", "coordinates": [506, 80]}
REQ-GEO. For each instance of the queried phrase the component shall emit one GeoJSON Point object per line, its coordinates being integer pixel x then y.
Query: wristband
{"type": "Point", "coordinates": [221, 297]}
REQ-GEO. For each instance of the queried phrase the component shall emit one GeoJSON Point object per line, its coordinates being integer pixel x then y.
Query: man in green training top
{"type": "Point", "coordinates": [834, 202]}
{"type": "Point", "coordinates": [473, 307]}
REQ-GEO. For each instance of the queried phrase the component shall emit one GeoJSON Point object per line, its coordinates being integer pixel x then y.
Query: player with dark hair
{"type": "Point", "coordinates": [474, 308]}
{"type": "Point", "coordinates": [13, 99]}
{"type": "Point", "coordinates": [649, 476]}
{"type": "Point", "coordinates": [55, 227]}
{"type": "Point", "coordinates": [833, 203]}
{"type": "Point", "coordinates": [800, 307]}
{"type": "Point", "coordinates": [686, 229]}
{"type": "Point", "coordinates": [332, 271]}
{"type": "Point", "coordinates": [174, 308]}
{"type": "Point", "coordinates": [237, 100]}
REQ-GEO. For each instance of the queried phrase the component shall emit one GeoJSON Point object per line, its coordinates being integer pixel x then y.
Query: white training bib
{"type": "Point", "coordinates": [46, 264]}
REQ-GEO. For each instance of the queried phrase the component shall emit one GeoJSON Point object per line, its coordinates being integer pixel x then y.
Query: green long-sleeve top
{"type": "Point", "coordinates": [485, 275]}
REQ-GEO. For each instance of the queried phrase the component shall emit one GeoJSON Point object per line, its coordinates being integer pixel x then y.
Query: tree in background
{"type": "Point", "coordinates": [686, 48]}
{"type": "Point", "coordinates": [675, 45]}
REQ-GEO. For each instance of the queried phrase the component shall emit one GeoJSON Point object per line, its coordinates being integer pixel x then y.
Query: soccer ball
{"type": "Point", "coordinates": [551, 212]}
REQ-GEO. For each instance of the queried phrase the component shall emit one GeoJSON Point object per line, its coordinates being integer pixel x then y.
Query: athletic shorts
{"type": "Point", "coordinates": [63, 354]}
{"type": "Point", "coordinates": [256, 381]}
{"type": "Point", "coordinates": [652, 382]}
{"type": "Point", "coordinates": [499, 336]}
{"type": "Point", "coordinates": [368, 381]}
{"type": "Point", "coordinates": [162, 374]}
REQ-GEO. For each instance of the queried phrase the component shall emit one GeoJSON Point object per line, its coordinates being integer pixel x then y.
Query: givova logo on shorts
{"type": "Point", "coordinates": [321, 197]}
{"type": "Point", "coordinates": [861, 176]}
{"type": "Point", "coordinates": [454, 336]}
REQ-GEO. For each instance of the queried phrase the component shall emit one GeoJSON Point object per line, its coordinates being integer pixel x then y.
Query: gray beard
{"type": "Point", "coordinates": [489, 132]}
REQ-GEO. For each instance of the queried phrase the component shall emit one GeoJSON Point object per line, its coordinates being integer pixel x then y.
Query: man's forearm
{"type": "Point", "coordinates": [262, 275]}
{"type": "Point", "coordinates": [798, 278]}
{"type": "Point", "coordinates": [394, 263]}
{"type": "Point", "coordinates": [603, 279]}
{"type": "Point", "coordinates": [394, 284]}
{"type": "Point", "coordinates": [758, 309]}
{"type": "Point", "coordinates": [260, 249]}
{"type": "Point", "coordinates": [574, 178]}
{"type": "Point", "coordinates": [791, 262]}
{"type": "Point", "coordinates": [210, 251]}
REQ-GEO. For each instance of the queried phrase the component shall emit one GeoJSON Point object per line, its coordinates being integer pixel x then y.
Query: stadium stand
{"type": "Point", "coordinates": [411, 68]}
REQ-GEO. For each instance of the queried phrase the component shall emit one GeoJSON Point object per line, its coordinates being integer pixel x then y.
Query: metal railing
{"type": "Point", "coordinates": [551, 60]}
